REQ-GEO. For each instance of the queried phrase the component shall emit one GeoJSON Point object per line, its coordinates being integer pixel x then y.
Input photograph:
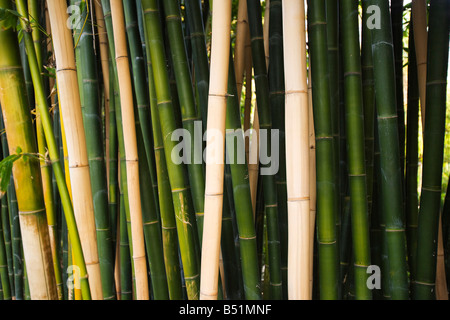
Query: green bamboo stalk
{"type": "Point", "coordinates": [235, 147]}
{"type": "Point", "coordinates": [126, 284]}
{"type": "Point", "coordinates": [265, 122]}
{"type": "Point", "coordinates": [168, 224]}
{"type": "Point", "coordinates": [277, 99]}
{"type": "Point", "coordinates": [185, 221]}
{"type": "Point", "coordinates": [412, 157]}
{"type": "Point", "coordinates": [199, 54]}
{"type": "Point", "coordinates": [368, 101]}
{"type": "Point", "coordinates": [137, 58]}
{"type": "Point", "coordinates": [327, 197]}
{"type": "Point", "coordinates": [424, 286]}
{"type": "Point", "coordinates": [391, 178]}
{"type": "Point", "coordinates": [189, 113]}
{"type": "Point", "coordinates": [19, 130]}
{"type": "Point", "coordinates": [355, 146]}
{"type": "Point", "coordinates": [16, 240]}
{"type": "Point", "coordinates": [397, 40]}
{"type": "Point", "coordinates": [6, 289]}
{"type": "Point", "coordinates": [53, 151]}
{"type": "Point", "coordinates": [5, 219]}
{"type": "Point", "coordinates": [34, 10]}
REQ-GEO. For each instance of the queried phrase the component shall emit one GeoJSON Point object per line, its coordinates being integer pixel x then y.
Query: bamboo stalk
{"type": "Point", "coordinates": [355, 146]}
{"type": "Point", "coordinates": [391, 178]}
{"type": "Point", "coordinates": [240, 45]}
{"type": "Point", "coordinates": [19, 131]}
{"type": "Point", "coordinates": [76, 142]}
{"type": "Point", "coordinates": [430, 199]}
{"type": "Point", "coordinates": [131, 153]}
{"type": "Point", "coordinates": [297, 149]}
{"type": "Point", "coordinates": [419, 16]}
{"type": "Point", "coordinates": [217, 105]}
{"type": "Point", "coordinates": [187, 105]}
{"type": "Point", "coordinates": [327, 197]}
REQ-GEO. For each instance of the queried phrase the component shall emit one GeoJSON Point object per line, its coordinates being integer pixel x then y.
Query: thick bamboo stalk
{"type": "Point", "coordinates": [297, 149]}
{"type": "Point", "coordinates": [217, 105]}
{"type": "Point", "coordinates": [391, 177]}
{"type": "Point", "coordinates": [433, 151]}
{"type": "Point", "coordinates": [131, 152]}
{"type": "Point", "coordinates": [355, 146]}
{"type": "Point", "coordinates": [168, 224]}
{"type": "Point", "coordinates": [76, 142]}
{"type": "Point", "coordinates": [419, 16]}
{"type": "Point", "coordinates": [91, 110]}
{"type": "Point", "coordinates": [27, 177]}
{"type": "Point", "coordinates": [327, 197]}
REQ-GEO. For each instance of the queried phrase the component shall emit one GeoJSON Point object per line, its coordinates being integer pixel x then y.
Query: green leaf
{"type": "Point", "coordinates": [9, 18]}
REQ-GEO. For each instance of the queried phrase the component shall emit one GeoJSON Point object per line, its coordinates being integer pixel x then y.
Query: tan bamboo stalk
{"type": "Point", "coordinates": [104, 59]}
{"type": "Point", "coordinates": [131, 151]}
{"type": "Point", "coordinates": [217, 108]}
{"type": "Point", "coordinates": [441, 282]}
{"type": "Point", "coordinates": [117, 280]}
{"type": "Point", "coordinates": [248, 92]}
{"type": "Point", "coordinates": [75, 138]}
{"type": "Point", "coordinates": [419, 16]}
{"type": "Point", "coordinates": [312, 180]}
{"type": "Point", "coordinates": [297, 149]}
{"type": "Point", "coordinates": [240, 46]}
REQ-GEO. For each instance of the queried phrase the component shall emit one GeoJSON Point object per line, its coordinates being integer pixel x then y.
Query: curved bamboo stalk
{"type": "Point", "coordinates": [131, 152]}
{"type": "Point", "coordinates": [217, 105]}
{"type": "Point", "coordinates": [297, 149]}
{"type": "Point", "coordinates": [33, 10]}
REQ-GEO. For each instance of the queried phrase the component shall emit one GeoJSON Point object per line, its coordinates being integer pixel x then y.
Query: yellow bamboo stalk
{"type": "Point", "coordinates": [240, 46]}
{"type": "Point", "coordinates": [419, 16]}
{"type": "Point", "coordinates": [217, 108]}
{"type": "Point", "coordinates": [131, 151]}
{"type": "Point", "coordinates": [312, 180]}
{"type": "Point", "coordinates": [75, 138]}
{"type": "Point", "coordinates": [297, 150]}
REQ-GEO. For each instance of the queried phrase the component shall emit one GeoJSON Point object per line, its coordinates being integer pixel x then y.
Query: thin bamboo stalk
{"type": "Point", "coordinates": [419, 16]}
{"type": "Point", "coordinates": [240, 45]}
{"type": "Point", "coordinates": [217, 105]}
{"type": "Point", "coordinates": [297, 149]}
{"type": "Point", "coordinates": [131, 153]}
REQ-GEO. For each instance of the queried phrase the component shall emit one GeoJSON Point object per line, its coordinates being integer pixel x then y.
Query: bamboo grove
{"type": "Point", "coordinates": [224, 150]}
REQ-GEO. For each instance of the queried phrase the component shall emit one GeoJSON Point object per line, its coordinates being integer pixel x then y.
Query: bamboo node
{"type": "Point", "coordinates": [28, 213]}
